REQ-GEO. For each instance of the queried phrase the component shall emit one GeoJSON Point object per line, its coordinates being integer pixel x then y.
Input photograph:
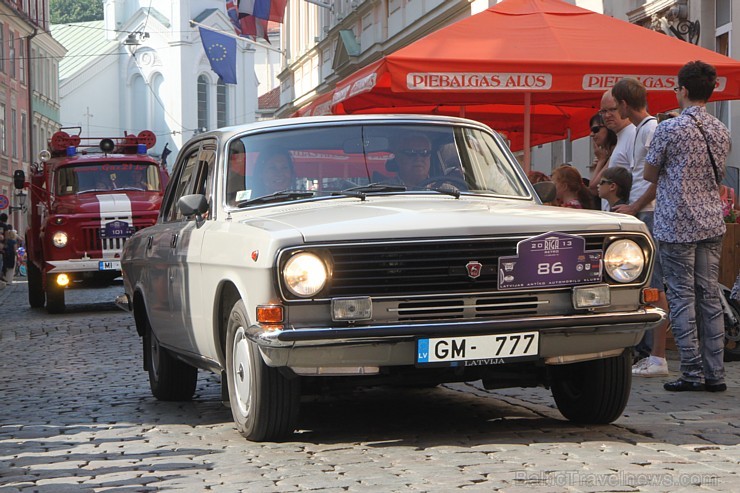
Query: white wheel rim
{"type": "Point", "coordinates": [241, 370]}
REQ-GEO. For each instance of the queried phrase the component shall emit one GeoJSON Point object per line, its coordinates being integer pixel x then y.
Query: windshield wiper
{"type": "Point", "coordinates": [277, 196]}
{"type": "Point", "coordinates": [362, 190]}
{"type": "Point", "coordinates": [447, 191]}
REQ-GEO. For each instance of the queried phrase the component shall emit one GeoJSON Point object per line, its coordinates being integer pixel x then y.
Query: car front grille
{"type": "Point", "coordinates": [425, 267]}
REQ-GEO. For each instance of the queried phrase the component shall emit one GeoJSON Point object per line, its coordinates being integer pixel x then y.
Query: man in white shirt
{"type": "Point", "coordinates": [625, 130]}
{"type": "Point", "coordinates": [631, 98]}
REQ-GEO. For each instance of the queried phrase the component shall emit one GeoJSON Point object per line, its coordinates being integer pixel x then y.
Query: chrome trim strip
{"type": "Point", "coordinates": [462, 307]}
{"type": "Point", "coordinates": [317, 336]}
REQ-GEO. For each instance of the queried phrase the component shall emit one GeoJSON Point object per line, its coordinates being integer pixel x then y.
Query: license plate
{"type": "Point", "coordinates": [117, 229]}
{"type": "Point", "coordinates": [477, 350]}
{"type": "Point", "coordinates": [109, 265]}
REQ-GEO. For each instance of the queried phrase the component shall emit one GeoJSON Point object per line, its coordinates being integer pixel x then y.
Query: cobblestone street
{"type": "Point", "coordinates": [76, 415]}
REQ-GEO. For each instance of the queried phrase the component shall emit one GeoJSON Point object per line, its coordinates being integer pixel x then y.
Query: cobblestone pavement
{"type": "Point", "coordinates": [76, 415]}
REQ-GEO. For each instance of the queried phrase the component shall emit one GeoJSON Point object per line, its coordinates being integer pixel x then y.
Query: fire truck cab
{"type": "Point", "coordinates": [88, 195]}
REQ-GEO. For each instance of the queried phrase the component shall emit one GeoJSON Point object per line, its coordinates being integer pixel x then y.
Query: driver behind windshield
{"type": "Point", "coordinates": [274, 172]}
{"type": "Point", "coordinates": [413, 158]}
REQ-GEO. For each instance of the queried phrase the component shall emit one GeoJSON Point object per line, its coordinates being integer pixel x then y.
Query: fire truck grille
{"type": "Point", "coordinates": [93, 242]}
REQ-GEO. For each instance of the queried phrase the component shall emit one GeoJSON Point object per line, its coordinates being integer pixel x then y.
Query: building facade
{"type": "Point", "coordinates": [29, 104]}
{"type": "Point", "coordinates": [148, 70]}
{"type": "Point", "coordinates": [327, 40]}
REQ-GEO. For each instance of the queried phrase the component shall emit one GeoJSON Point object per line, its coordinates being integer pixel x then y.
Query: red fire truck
{"type": "Point", "coordinates": [88, 195]}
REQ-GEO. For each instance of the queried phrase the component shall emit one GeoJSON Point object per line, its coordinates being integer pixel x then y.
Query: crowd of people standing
{"type": "Point", "coordinates": [669, 176]}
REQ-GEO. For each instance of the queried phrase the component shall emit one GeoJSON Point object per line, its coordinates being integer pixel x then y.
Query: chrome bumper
{"type": "Point", "coordinates": [639, 320]}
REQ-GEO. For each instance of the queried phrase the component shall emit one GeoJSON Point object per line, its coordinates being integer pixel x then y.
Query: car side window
{"type": "Point", "coordinates": [183, 185]}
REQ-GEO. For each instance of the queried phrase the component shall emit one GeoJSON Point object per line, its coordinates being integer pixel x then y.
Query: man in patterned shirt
{"type": "Point", "coordinates": [687, 161]}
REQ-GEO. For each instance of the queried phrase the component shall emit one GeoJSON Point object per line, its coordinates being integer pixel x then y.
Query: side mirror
{"type": "Point", "coordinates": [193, 205]}
{"type": "Point", "coordinates": [19, 179]}
{"type": "Point", "coordinates": [545, 191]}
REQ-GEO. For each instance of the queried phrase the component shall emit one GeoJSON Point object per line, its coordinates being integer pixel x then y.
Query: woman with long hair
{"type": "Point", "coordinates": [603, 141]}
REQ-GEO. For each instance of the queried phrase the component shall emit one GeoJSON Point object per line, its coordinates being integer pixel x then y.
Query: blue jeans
{"type": "Point", "coordinates": [691, 273]}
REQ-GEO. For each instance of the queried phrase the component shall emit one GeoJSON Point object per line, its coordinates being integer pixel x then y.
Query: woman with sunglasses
{"type": "Point", "coordinates": [604, 141]}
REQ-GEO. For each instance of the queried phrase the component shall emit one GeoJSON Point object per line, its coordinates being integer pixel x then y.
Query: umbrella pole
{"type": "Point", "coordinates": [527, 131]}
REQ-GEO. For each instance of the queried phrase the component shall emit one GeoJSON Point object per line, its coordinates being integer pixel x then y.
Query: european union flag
{"type": "Point", "coordinates": [221, 52]}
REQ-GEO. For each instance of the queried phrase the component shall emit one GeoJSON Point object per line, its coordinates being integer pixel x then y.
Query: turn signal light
{"type": "Point", "coordinates": [269, 314]}
{"type": "Point", "coordinates": [650, 295]}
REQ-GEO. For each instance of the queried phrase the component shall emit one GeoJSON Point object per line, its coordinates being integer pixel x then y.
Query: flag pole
{"type": "Point", "coordinates": [236, 36]}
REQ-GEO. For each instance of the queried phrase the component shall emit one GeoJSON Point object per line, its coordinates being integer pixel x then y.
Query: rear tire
{"type": "Point", "coordinates": [54, 296]}
{"type": "Point", "coordinates": [169, 378]}
{"type": "Point", "coordinates": [264, 402]}
{"type": "Point", "coordinates": [36, 295]}
{"type": "Point", "coordinates": [593, 392]}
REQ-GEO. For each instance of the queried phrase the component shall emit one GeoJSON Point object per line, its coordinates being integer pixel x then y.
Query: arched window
{"type": "Point", "coordinates": [202, 103]}
{"type": "Point", "coordinates": [222, 106]}
{"type": "Point", "coordinates": [139, 106]}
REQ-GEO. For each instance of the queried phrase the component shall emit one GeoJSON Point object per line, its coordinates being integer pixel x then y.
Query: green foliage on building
{"type": "Point", "coordinates": [65, 11]}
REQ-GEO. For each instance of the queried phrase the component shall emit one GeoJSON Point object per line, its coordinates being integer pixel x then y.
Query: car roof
{"type": "Point", "coordinates": [226, 133]}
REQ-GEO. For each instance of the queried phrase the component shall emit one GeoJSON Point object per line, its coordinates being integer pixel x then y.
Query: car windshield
{"type": "Point", "coordinates": [367, 159]}
{"type": "Point", "coordinates": [101, 177]}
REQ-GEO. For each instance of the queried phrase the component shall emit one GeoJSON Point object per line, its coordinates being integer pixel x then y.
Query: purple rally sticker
{"type": "Point", "coordinates": [550, 260]}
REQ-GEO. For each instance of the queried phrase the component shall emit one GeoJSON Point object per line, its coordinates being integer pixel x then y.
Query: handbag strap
{"type": "Point", "coordinates": [709, 149]}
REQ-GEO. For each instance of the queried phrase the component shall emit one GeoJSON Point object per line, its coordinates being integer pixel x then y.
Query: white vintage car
{"type": "Point", "coordinates": [385, 249]}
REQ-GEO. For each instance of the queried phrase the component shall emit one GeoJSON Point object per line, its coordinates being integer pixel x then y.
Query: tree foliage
{"type": "Point", "coordinates": [66, 11]}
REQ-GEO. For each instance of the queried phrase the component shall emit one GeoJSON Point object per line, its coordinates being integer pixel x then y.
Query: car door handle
{"type": "Point", "coordinates": [149, 243]}
{"type": "Point", "coordinates": [173, 242]}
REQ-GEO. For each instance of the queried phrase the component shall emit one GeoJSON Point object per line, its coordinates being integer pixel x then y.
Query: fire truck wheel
{"type": "Point", "coordinates": [36, 296]}
{"type": "Point", "coordinates": [169, 378]}
{"type": "Point", "coordinates": [54, 297]}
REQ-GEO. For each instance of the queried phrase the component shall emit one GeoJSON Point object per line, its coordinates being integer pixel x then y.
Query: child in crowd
{"type": "Point", "coordinates": [615, 186]}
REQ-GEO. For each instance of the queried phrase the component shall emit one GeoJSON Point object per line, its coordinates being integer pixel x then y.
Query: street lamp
{"type": "Point", "coordinates": [20, 199]}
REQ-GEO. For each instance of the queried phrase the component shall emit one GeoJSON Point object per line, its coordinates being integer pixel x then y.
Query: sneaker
{"type": "Point", "coordinates": [651, 369]}
{"type": "Point", "coordinates": [641, 363]}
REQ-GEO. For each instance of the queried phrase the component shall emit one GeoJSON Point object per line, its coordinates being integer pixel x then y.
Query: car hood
{"type": "Point", "coordinates": [111, 203]}
{"type": "Point", "coordinates": [429, 217]}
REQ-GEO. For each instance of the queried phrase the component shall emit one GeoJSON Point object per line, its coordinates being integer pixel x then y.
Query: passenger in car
{"type": "Point", "coordinates": [273, 172]}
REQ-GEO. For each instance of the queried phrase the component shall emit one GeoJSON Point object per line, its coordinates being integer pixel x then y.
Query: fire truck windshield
{"type": "Point", "coordinates": [101, 177]}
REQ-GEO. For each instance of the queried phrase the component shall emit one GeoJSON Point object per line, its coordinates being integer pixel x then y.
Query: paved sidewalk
{"type": "Point", "coordinates": [76, 415]}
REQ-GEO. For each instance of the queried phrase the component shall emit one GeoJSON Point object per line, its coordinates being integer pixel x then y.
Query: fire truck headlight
{"type": "Point", "coordinates": [59, 239]}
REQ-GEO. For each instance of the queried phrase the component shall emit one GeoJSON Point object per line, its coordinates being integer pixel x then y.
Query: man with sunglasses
{"type": "Point", "coordinates": [625, 131]}
{"type": "Point", "coordinates": [413, 159]}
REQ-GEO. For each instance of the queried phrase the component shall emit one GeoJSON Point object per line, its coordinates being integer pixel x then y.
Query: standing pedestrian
{"type": "Point", "coordinates": [687, 161]}
{"type": "Point", "coordinates": [9, 254]}
{"type": "Point", "coordinates": [631, 97]}
{"type": "Point", "coordinates": [622, 152]}
{"type": "Point", "coordinates": [4, 226]}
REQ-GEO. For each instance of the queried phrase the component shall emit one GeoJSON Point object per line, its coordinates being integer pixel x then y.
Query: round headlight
{"type": "Point", "coordinates": [624, 260]}
{"type": "Point", "coordinates": [59, 239]}
{"type": "Point", "coordinates": [305, 274]}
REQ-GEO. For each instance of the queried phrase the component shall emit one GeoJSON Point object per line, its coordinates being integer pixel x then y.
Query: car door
{"type": "Point", "coordinates": [188, 294]}
{"type": "Point", "coordinates": [165, 273]}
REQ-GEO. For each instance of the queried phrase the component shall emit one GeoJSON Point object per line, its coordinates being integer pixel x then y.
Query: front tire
{"type": "Point", "coordinates": [36, 295]}
{"type": "Point", "coordinates": [593, 392]}
{"type": "Point", "coordinates": [264, 403]}
{"type": "Point", "coordinates": [54, 296]}
{"type": "Point", "coordinates": [169, 378]}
